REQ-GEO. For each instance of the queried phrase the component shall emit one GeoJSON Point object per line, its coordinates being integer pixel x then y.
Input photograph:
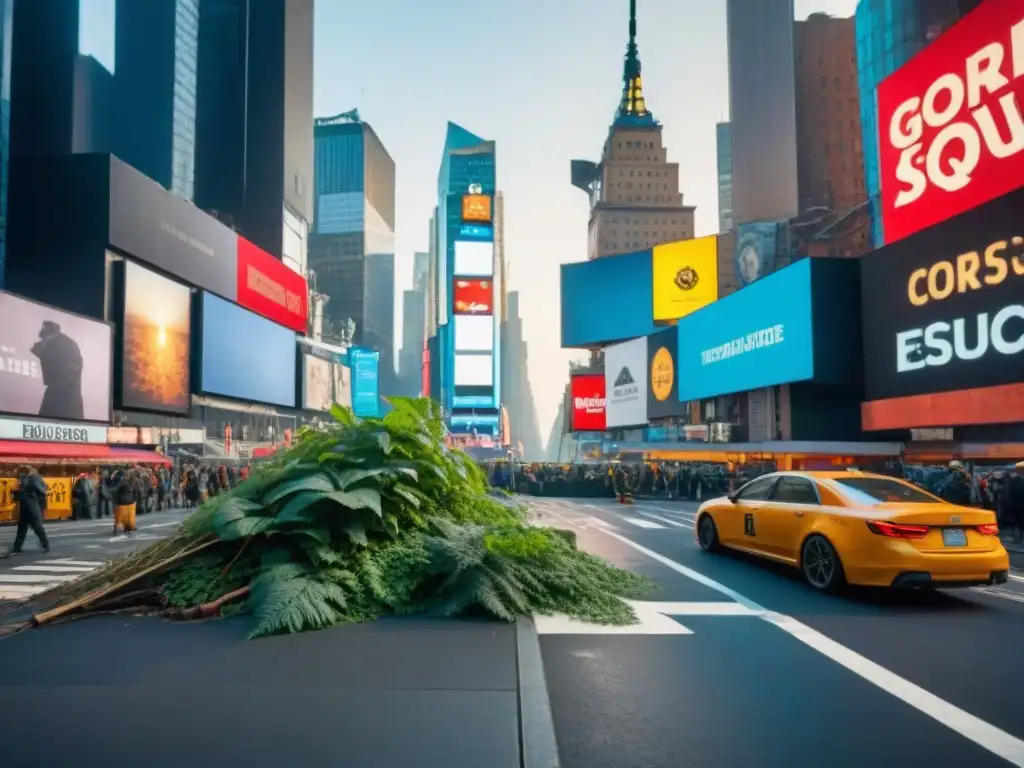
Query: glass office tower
{"type": "Point", "coordinates": [7, 22]}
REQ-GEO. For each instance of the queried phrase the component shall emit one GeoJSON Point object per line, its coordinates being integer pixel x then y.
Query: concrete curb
{"type": "Point", "coordinates": [538, 747]}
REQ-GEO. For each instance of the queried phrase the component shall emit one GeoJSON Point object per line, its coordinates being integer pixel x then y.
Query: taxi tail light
{"type": "Point", "coordinates": [897, 530]}
{"type": "Point", "coordinates": [988, 529]}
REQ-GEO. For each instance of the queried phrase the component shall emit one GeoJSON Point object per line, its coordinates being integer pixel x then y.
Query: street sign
{"type": "Point", "coordinates": [654, 618]}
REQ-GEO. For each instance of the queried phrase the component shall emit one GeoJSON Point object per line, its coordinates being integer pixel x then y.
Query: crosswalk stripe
{"type": "Point", "coordinates": [24, 581]}
{"type": "Point", "coordinates": [35, 578]}
{"type": "Point", "coordinates": [83, 563]}
{"type": "Point", "coordinates": [673, 523]}
{"type": "Point", "coordinates": [598, 522]}
{"type": "Point", "coordinates": [69, 569]}
{"type": "Point", "coordinates": [641, 523]}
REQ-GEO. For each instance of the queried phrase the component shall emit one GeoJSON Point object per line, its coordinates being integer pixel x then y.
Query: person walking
{"type": "Point", "coordinates": [31, 498]}
{"type": "Point", "coordinates": [126, 497]}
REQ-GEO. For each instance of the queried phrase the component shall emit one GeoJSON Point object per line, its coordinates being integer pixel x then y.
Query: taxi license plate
{"type": "Point", "coordinates": [954, 537]}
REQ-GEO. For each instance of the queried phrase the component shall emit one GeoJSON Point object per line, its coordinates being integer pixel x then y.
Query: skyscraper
{"type": "Point", "coordinates": [6, 29]}
{"type": "Point", "coordinates": [723, 142]}
{"type": "Point", "coordinates": [889, 33]}
{"type": "Point", "coordinates": [414, 329]}
{"type": "Point", "coordinates": [467, 275]}
{"type": "Point", "coordinates": [157, 48]}
{"type": "Point", "coordinates": [352, 247]}
{"type": "Point", "coordinates": [635, 201]}
{"type": "Point", "coordinates": [518, 393]}
{"type": "Point", "coordinates": [254, 149]}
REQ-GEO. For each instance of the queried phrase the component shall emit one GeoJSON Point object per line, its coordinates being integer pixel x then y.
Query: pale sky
{"type": "Point", "coordinates": [540, 77]}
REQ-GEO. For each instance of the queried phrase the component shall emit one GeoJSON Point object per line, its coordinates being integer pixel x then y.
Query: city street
{"type": "Point", "coordinates": [740, 663]}
{"type": "Point", "coordinates": [76, 547]}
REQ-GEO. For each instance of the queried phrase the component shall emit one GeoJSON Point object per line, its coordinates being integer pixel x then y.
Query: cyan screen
{"type": "Point", "coordinates": [607, 300]}
{"type": "Point", "coordinates": [759, 336]}
{"type": "Point", "coordinates": [246, 356]}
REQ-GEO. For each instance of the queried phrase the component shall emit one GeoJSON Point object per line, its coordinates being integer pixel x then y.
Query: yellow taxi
{"type": "Point", "coordinates": [857, 528]}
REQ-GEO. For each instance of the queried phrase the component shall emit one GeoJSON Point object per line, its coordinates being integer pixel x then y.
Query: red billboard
{"type": "Point", "coordinates": [951, 134]}
{"type": "Point", "coordinates": [266, 286]}
{"type": "Point", "coordinates": [586, 391]}
{"type": "Point", "coordinates": [473, 297]}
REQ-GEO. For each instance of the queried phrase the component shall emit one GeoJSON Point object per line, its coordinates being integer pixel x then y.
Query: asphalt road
{"type": "Point", "coordinates": [76, 547]}
{"type": "Point", "coordinates": [760, 671]}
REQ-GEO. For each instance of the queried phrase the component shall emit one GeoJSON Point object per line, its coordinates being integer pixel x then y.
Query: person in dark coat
{"type": "Point", "coordinates": [61, 362]}
{"type": "Point", "coordinates": [106, 495]}
{"type": "Point", "coordinates": [126, 497]}
{"type": "Point", "coordinates": [83, 498]}
{"type": "Point", "coordinates": [31, 498]}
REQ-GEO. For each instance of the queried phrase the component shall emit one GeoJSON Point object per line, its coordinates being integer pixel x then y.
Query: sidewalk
{"type": "Point", "coordinates": [396, 692]}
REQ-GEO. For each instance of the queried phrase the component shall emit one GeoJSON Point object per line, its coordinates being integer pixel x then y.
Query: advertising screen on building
{"type": "Point", "coordinates": [268, 287]}
{"type": "Point", "coordinates": [662, 371]}
{"type": "Point", "coordinates": [950, 131]}
{"type": "Point", "coordinates": [757, 245]}
{"type": "Point", "coordinates": [150, 224]}
{"type": "Point", "coordinates": [944, 310]}
{"type": "Point", "coordinates": [476, 208]}
{"type": "Point", "coordinates": [473, 297]}
{"type": "Point", "coordinates": [156, 337]}
{"type": "Point", "coordinates": [342, 377]}
{"type": "Point", "coordinates": [474, 370]}
{"type": "Point", "coordinates": [587, 402]}
{"type": "Point", "coordinates": [475, 423]}
{"type": "Point", "coordinates": [474, 333]}
{"type": "Point", "coordinates": [246, 356]}
{"type": "Point", "coordinates": [685, 277]}
{"type": "Point", "coordinates": [625, 383]}
{"type": "Point", "coordinates": [474, 258]}
{"type": "Point", "coordinates": [750, 339]}
{"type": "Point", "coordinates": [53, 364]}
{"type": "Point", "coordinates": [317, 384]}
{"type": "Point", "coordinates": [365, 364]}
{"type": "Point", "coordinates": [607, 300]}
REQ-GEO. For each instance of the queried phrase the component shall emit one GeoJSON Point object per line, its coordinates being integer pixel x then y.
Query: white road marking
{"type": "Point", "coordinates": [27, 580]}
{"type": "Point", "coordinates": [1005, 594]}
{"type": "Point", "coordinates": [598, 522]}
{"type": "Point", "coordinates": [641, 523]}
{"type": "Point", "coordinates": [650, 621]}
{"type": "Point", "coordinates": [69, 561]}
{"type": "Point", "coordinates": [666, 520]}
{"type": "Point", "coordinates": [1016, 577]}
{"type": "Point", "coordinates": [34, 578]}
{"type": "Point", "coordinates": [61, 568]}
{"type": "Point", "coordinates": [985, 735]}
{"type": "Point", "coordinates": [672, 512]}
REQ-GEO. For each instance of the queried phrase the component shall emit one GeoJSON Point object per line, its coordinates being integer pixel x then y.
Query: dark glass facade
{"type": "Point", "coordinates": [889, 33]}
{"type": "Point", "coordinates": [6, 27]}
{"type": "Point", "coordinates": [352, 246]}
{"type": "Point", "coordinates": [157, 49]}
{"type": "Point", "coordinates": [723, 142]}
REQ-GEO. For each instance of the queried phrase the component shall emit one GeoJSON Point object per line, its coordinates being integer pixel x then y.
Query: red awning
{"type": "Point", "coordinates": [72, 453]}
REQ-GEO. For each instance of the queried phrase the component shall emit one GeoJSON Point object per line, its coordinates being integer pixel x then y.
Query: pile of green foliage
{"type": "Point", "coordinates": [375, 517]}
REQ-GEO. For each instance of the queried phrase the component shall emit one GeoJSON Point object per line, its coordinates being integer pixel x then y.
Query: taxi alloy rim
{"type": "Point", "coordinates": [819, 562]}
{"type": "Point", "coordinates": [706, 531]}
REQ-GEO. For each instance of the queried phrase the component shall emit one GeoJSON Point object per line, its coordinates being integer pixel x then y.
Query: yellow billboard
{"type": "Point", "coordinates": [685, 277]}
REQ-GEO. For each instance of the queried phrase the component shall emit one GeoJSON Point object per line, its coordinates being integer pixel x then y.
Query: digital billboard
{"type": "Point", "coordinates": [473, 401]}
{"type": "Point", "coordinates": [156, 227]}
{"type": "Point", "coordinates": [474, 258]}
{"type": "Point", "coordinates": [472, 297]}
{"type": "Point", "coordinates": [685, 277]}
{"type": "Point", "coordinates": [757, 245]}
{"type": "Point", "coordinates": [53, 364]}
{"type": "Point", "coordinates": [155, 342]}
{"type": "Point", "coordinates": [474, 370]}
{"type": "Point", "coordinates": [949, 122]}
{"type": "Point", "coordinates": [365, 364]}
{"type": "Point", "coordinates": [476, 208]}
{"type": "Point", "coordinates": [587, 402]}
{"type": "Point", "coordinates": [625, 383]}
{"type": "Point", "coordinates": [474, 333]}
{"type": "Point", "coordinates": [269, 288]}
{"type": "Point", "coordinates": [317, 384]}
{"type": "Point", "coordinates": [342, 386]}
{"type": "Point", "coordinates": [246, 356]}
{"type": "Point", "coordinates": [944, 310]}
{"type": "Point", "coordinates": [662, 372]}
{"type": "Point", "coordinates": [607, 300]}
{"type": "Point", "coordinates": [750, 339]}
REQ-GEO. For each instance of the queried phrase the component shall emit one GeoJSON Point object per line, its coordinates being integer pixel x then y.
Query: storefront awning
{"type": "Point", "coordinates": [72, 453]}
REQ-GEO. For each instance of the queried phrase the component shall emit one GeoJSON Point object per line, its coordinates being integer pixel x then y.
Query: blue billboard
{"type": "Point", "coordinates": [607, 300]}
{"type": "Point", "coordinates": [760, 336]}
{"type": "Point", "coordinates": [365, 381]}
{"type": "Point", "coordinates": [232, 366]}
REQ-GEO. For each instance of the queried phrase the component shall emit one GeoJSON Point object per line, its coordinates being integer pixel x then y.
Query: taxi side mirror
{"type": "Point", "coordinates": [732, 497]}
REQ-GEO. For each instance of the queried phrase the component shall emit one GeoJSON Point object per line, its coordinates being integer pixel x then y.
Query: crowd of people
{"type": "Point", "coordinates": [1000, 489]}
{"type": "Point", "coordinates": [121, 494]}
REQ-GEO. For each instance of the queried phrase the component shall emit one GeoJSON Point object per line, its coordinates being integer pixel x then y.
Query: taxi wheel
{"type": "Point", "coordinates": [707, 534]}
{"type": "Point", "coordinates": [821, 565]}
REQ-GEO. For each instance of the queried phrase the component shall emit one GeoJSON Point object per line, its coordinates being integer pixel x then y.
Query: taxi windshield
{"type": "Point", "coordinates": [882, 490]}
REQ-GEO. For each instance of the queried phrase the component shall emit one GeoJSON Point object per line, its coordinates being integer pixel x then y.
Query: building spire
{"type": "Point", "coordinates": [633, 106]}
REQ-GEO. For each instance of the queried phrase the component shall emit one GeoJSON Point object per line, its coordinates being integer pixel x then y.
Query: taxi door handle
{"type": "Point", "coordinates": [799, 513]}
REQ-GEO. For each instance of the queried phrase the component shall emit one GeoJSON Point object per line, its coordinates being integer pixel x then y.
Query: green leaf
{"type": "Point", "coordinates": [282, 605]}
{"type": "Point", "coordinates": [346, 478]}
{"type": "Point", "coordinates": [356, 531]}
{"type": "Point", "coordinates": [358, 498]}
{"type": "Point", "coordinates": [343, 415]}
{"type": "Point", "coordinates": [234, 508]}
{"type": "Point", "coordinates": [319, 534]}
{"type": "Point", "coordinates": [317, 482]}
{"type": "Point", "coordinates": [243, 527]}
{"type": "Point", "coordinates": [384, 441]}
{"type": "Point", "coordinates": [408, 495]}
{"type": "Point", "coordinates": [299, 507]}
{"type": "Point", "coordinates": [275, 557]}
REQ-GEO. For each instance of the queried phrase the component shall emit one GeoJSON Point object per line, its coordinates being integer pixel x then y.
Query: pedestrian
{"type": "Point", "coordinates": [126, 498]}
{"type": "Point", "coordinates": [1015, 500]}
{"type": "Point", "coordinates": [31, 498]}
